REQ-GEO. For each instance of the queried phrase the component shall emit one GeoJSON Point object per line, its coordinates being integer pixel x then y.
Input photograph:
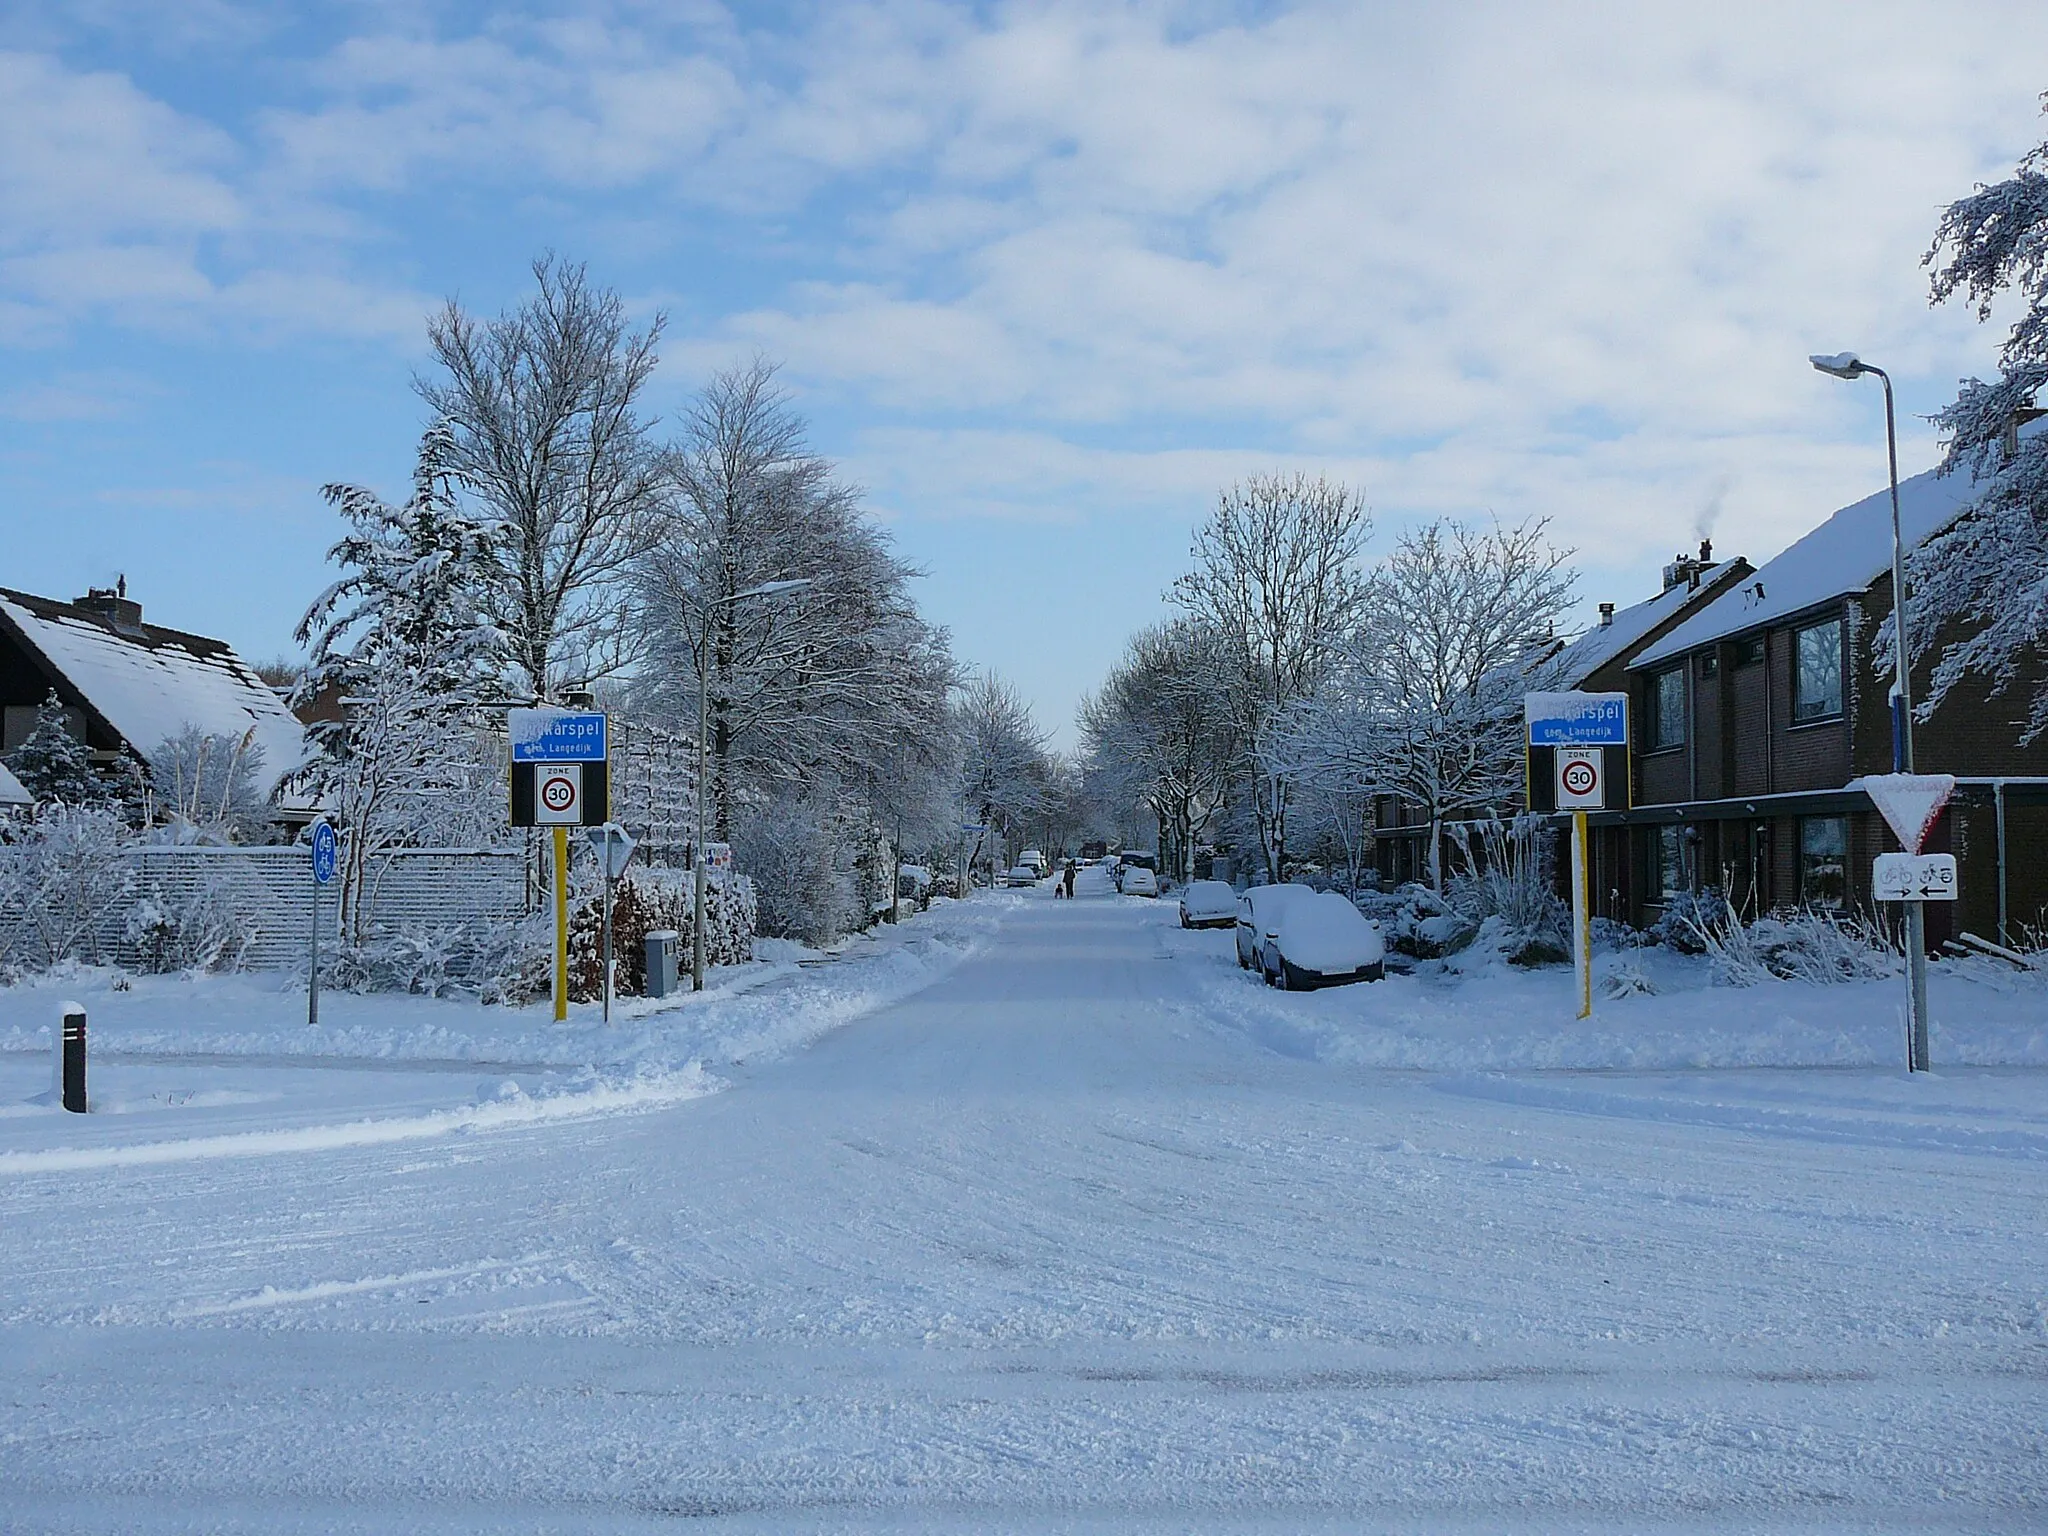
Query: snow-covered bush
{"type": "Point", "coordinates": [491, 960]}
{"type": "Point", "coordinates": [1509, 876]}
{"type": "Point", "coordinates": [1688, 917]}
{"type": "Point", "coordinates": [1625, 977]}
{"type": "Point", "coordinates": [801, 868]}
{"type": "Point", "coordinates": [64, 880]}
{"type": "Point", "coordinates": [643, 902]}
{"type": "Point", "coordinates": [1806, 945]}
{"type": "Point", "coordinates": [206, 789]}
{"type": "Point", "coordinates": [203, 930]}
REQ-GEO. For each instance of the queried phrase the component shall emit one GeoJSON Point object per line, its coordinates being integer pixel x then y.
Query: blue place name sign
{"type": "Point", "coordinates": [556, 735]}
{"type": "Point", "coordinates": [1577, 719]}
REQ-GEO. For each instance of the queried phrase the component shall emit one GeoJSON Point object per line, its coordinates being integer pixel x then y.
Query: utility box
{"type": "Point", "coordinates": [664, 946]}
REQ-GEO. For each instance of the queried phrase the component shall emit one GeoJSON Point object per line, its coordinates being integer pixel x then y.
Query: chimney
{"type": "Point", "coordinates": [114, 605]}
{"type": "Point", "coordinates": [1606, 615]}
{"type": "Point", "coordinates": [1706, 553]}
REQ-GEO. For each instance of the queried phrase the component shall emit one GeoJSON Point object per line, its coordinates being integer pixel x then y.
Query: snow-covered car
{"type": "Point", "coordinates": [1139, 881]}
{"type": "Point", "coordinates": [914, 884]}
{"type": "Point", "coordinates": [1258, 912]}
{"type": "Point", "coordinates": [1021, 874]}
{"type": "Point", "coordinates": [1208, 904]}
{"type": "Point", "coordinates": [1034, 858]}
{"type": "Point", "coordinates": [1322, 941]}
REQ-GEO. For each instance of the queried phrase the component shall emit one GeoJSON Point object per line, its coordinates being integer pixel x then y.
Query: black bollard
{"type": "Point", "coordinates": [74, 1058]}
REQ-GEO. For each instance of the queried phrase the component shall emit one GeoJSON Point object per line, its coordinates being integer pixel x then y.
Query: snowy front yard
{"type": "Point", "coordinates": [1071, 1226]}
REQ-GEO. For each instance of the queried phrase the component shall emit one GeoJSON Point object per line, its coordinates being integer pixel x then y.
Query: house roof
{"type": "Point", "coordinates": [1591, 651]}
{"type": "Point", "coordinates": [1845, 554]}
{"type": "Point", "coordinates": [149, 683]}
{"type": "Point", "coordinates": [11, 792]}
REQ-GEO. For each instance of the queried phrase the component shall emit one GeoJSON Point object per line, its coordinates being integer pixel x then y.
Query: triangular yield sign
{"type": "Point", "coordinates": [1909, 802]}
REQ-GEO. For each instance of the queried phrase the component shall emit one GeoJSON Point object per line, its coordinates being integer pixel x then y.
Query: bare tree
{"type": "Point", "coordinates": [1003, 765]}
{"type": "Point", "coordinates": [1276, 579]}
{"type": "Point", "coordinates": [826, 683]}
{"type": "Point", "coordinates": [1426, 703]}
{"type": "Point", "coordinates": [1161, 731]}
{"type": "Point", "coordinates": [544, 435]}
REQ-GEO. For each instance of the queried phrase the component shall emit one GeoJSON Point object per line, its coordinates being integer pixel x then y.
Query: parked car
{"type": "Point", "coordinates": [1021, 874]}
{"type": "Point", "coordinates": [1208, 904]}
{"type": "Point", "coordinates": [1258, 912]}
{"type": "Point", "coordinates": [1139, 881]}
{"type": "Point", "coordinates": [1322, 941]}
{"type": "Point", "coordinates": [1034, 858]}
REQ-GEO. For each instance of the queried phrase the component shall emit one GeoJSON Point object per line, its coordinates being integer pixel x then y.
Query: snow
{"type": "Point", "coordinates": [1909, 802]}
{"type": "Point", "coordinates": [1077, 1229]}
{"type": "Point", "coordinates": [11, 792]}
{"type": "Point", "coordinates": [150, 691]}
{"type": "Point", "coordinates": [1845, 554]}
{"type": "Point", "coordinates": [1599, 645]}
{"type": "Point", "coordinates": [1328, 935]}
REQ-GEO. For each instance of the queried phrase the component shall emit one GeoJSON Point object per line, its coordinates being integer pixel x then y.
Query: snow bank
{"type": "Point", "coordinates": [1499, 1019]}
{"type": "Point", "coordinates": [748, 1012]}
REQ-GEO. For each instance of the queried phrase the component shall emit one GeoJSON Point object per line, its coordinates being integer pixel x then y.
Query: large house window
{"type": "Point", "coordinates": [1667, 862]}
{"type": "Point", "coordinates": [1666, 700]}
{"type": "Point", "coordinates": [1817, 672]}
{"type": "Point", "coordinates": [1823, 860]}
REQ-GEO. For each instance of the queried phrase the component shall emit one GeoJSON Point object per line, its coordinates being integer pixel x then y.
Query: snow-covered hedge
{"type": "Point", "coordinates": [647, 900]}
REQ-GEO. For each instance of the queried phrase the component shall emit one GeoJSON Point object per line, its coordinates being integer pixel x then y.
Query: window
{"type": "Point", "coordinates": [1817, 672]}
{"type": "Point", "coordinates": [1749, 652]}
{"type": "Point", "coordinates": [1710, 665]}
{"type": "Point", "coordinates": [1823, 860]}
{"type": "Point", "coordinates": [1664, 698]}
{"type": "Point", "coordinates": [1667, 862]}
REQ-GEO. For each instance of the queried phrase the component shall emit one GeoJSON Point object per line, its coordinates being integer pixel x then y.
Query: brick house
{"type": "Point", "coordinates": [1595, 662]}
{"type": "Point", "coordinates": [1754, 718]}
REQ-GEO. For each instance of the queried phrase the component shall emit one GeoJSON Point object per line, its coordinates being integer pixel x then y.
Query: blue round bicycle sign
{"type": "Point", "coordinates": [325, 852]}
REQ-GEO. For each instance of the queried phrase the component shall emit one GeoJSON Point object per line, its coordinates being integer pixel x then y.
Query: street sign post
{"type": "Point", "coordinates": [1914, 877]}
{"type": "Point", "coordinates": [559, 779]}
{"type": "Point", "coordinates": [1911, 803]}
{"type": "Point", "coordinates": [614, 846]}
{"type": "Point", "coordinates": [1585, 737]}
{"type": "Point", "coordinates": [326, 858]}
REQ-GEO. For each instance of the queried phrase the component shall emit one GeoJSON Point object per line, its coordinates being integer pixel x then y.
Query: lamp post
{"type": "Point", "coordinates": [1847, 365]}
{"type": "Point", "coordinates": [766, 589]}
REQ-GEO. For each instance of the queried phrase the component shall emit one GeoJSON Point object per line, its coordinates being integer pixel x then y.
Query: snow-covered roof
{"type": "Point", "coordinates": [149, 683]}
{"type": "Point", "coordinates": [1597, 646]}
{"type": "Point", "coordinates": [1845, 554]}
{"type": "Point", "coordinates": [11, 792]}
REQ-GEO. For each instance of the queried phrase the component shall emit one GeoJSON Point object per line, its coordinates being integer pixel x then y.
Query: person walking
{"type": "Point", "coordinates": [1067, 879]}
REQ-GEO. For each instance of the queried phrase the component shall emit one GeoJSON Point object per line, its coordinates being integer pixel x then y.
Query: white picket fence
{"type": "Point", "coordinates": [409, 888]}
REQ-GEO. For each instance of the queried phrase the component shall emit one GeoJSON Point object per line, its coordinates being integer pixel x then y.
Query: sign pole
{"type": "Point", "coordinates": [561, 924]}
{"type": "Point", "coordinates": [1582, 922]}
{"type": "Point", "coordinates": [607, 940]}
{"type": "Point", "coordinates": [313, 966]}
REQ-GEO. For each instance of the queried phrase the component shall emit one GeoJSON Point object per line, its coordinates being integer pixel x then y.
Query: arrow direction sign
{"type": "Point", "coordinates": [1909, 802]}
{"type": "Point", "coordinates": [1914, 877]}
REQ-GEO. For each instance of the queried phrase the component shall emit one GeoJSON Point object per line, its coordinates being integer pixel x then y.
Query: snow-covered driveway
{"type": "Point", "coordinates": [1056, 1245]}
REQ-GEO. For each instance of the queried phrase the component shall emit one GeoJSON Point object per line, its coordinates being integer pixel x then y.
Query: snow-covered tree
{"type": "Point", "coordinates": [1276, 580]}
{"type": "Point", "coordinates": [833, 679]}
{"type": "Point", "coordinates": [206, 787]}
{"type": "Point", "coordinates": [404, 642]}
{"type": "Point", "coordinates": [544, 436]}
{"type": "Point", "coordinates": [1979, 588]}
{"type": "Point", "coordinates": [1426, 702]}
{"type": "Point", "coordinates": [1003, 762]}
{"type": "Point", "coordinates": [1162, 731]}
{"type": "Point", "coordinates": [55, 765]}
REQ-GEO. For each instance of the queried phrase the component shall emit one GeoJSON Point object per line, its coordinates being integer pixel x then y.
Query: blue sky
{"type": "Point", "coordinates": [1043, 277]}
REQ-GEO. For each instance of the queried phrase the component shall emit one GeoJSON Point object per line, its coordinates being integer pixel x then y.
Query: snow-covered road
{"type": "Point", "coordinates": [1057, 1244]}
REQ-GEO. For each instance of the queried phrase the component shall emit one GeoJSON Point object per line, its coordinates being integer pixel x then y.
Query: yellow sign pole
{"type": "Point", "coordinates": [1582, 916]}
{"type": "Point", "coordinates": [561, 924]}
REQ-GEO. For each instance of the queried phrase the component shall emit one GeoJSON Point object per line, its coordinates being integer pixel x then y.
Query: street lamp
{"type": "Point", "coordinates": [766, 589]}
{"type": "Point", "coordinates": [1847, 365]}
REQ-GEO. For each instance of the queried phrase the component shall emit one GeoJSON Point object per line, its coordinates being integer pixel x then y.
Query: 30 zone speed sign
{"type": "Point", "coordinates": [1579, 781]}
{"type": "Point", "coordinates": [558, 794]}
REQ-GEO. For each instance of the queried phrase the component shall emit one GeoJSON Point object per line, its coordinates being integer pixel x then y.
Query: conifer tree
{"type": "Point", "coordinates": [54, 765]}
